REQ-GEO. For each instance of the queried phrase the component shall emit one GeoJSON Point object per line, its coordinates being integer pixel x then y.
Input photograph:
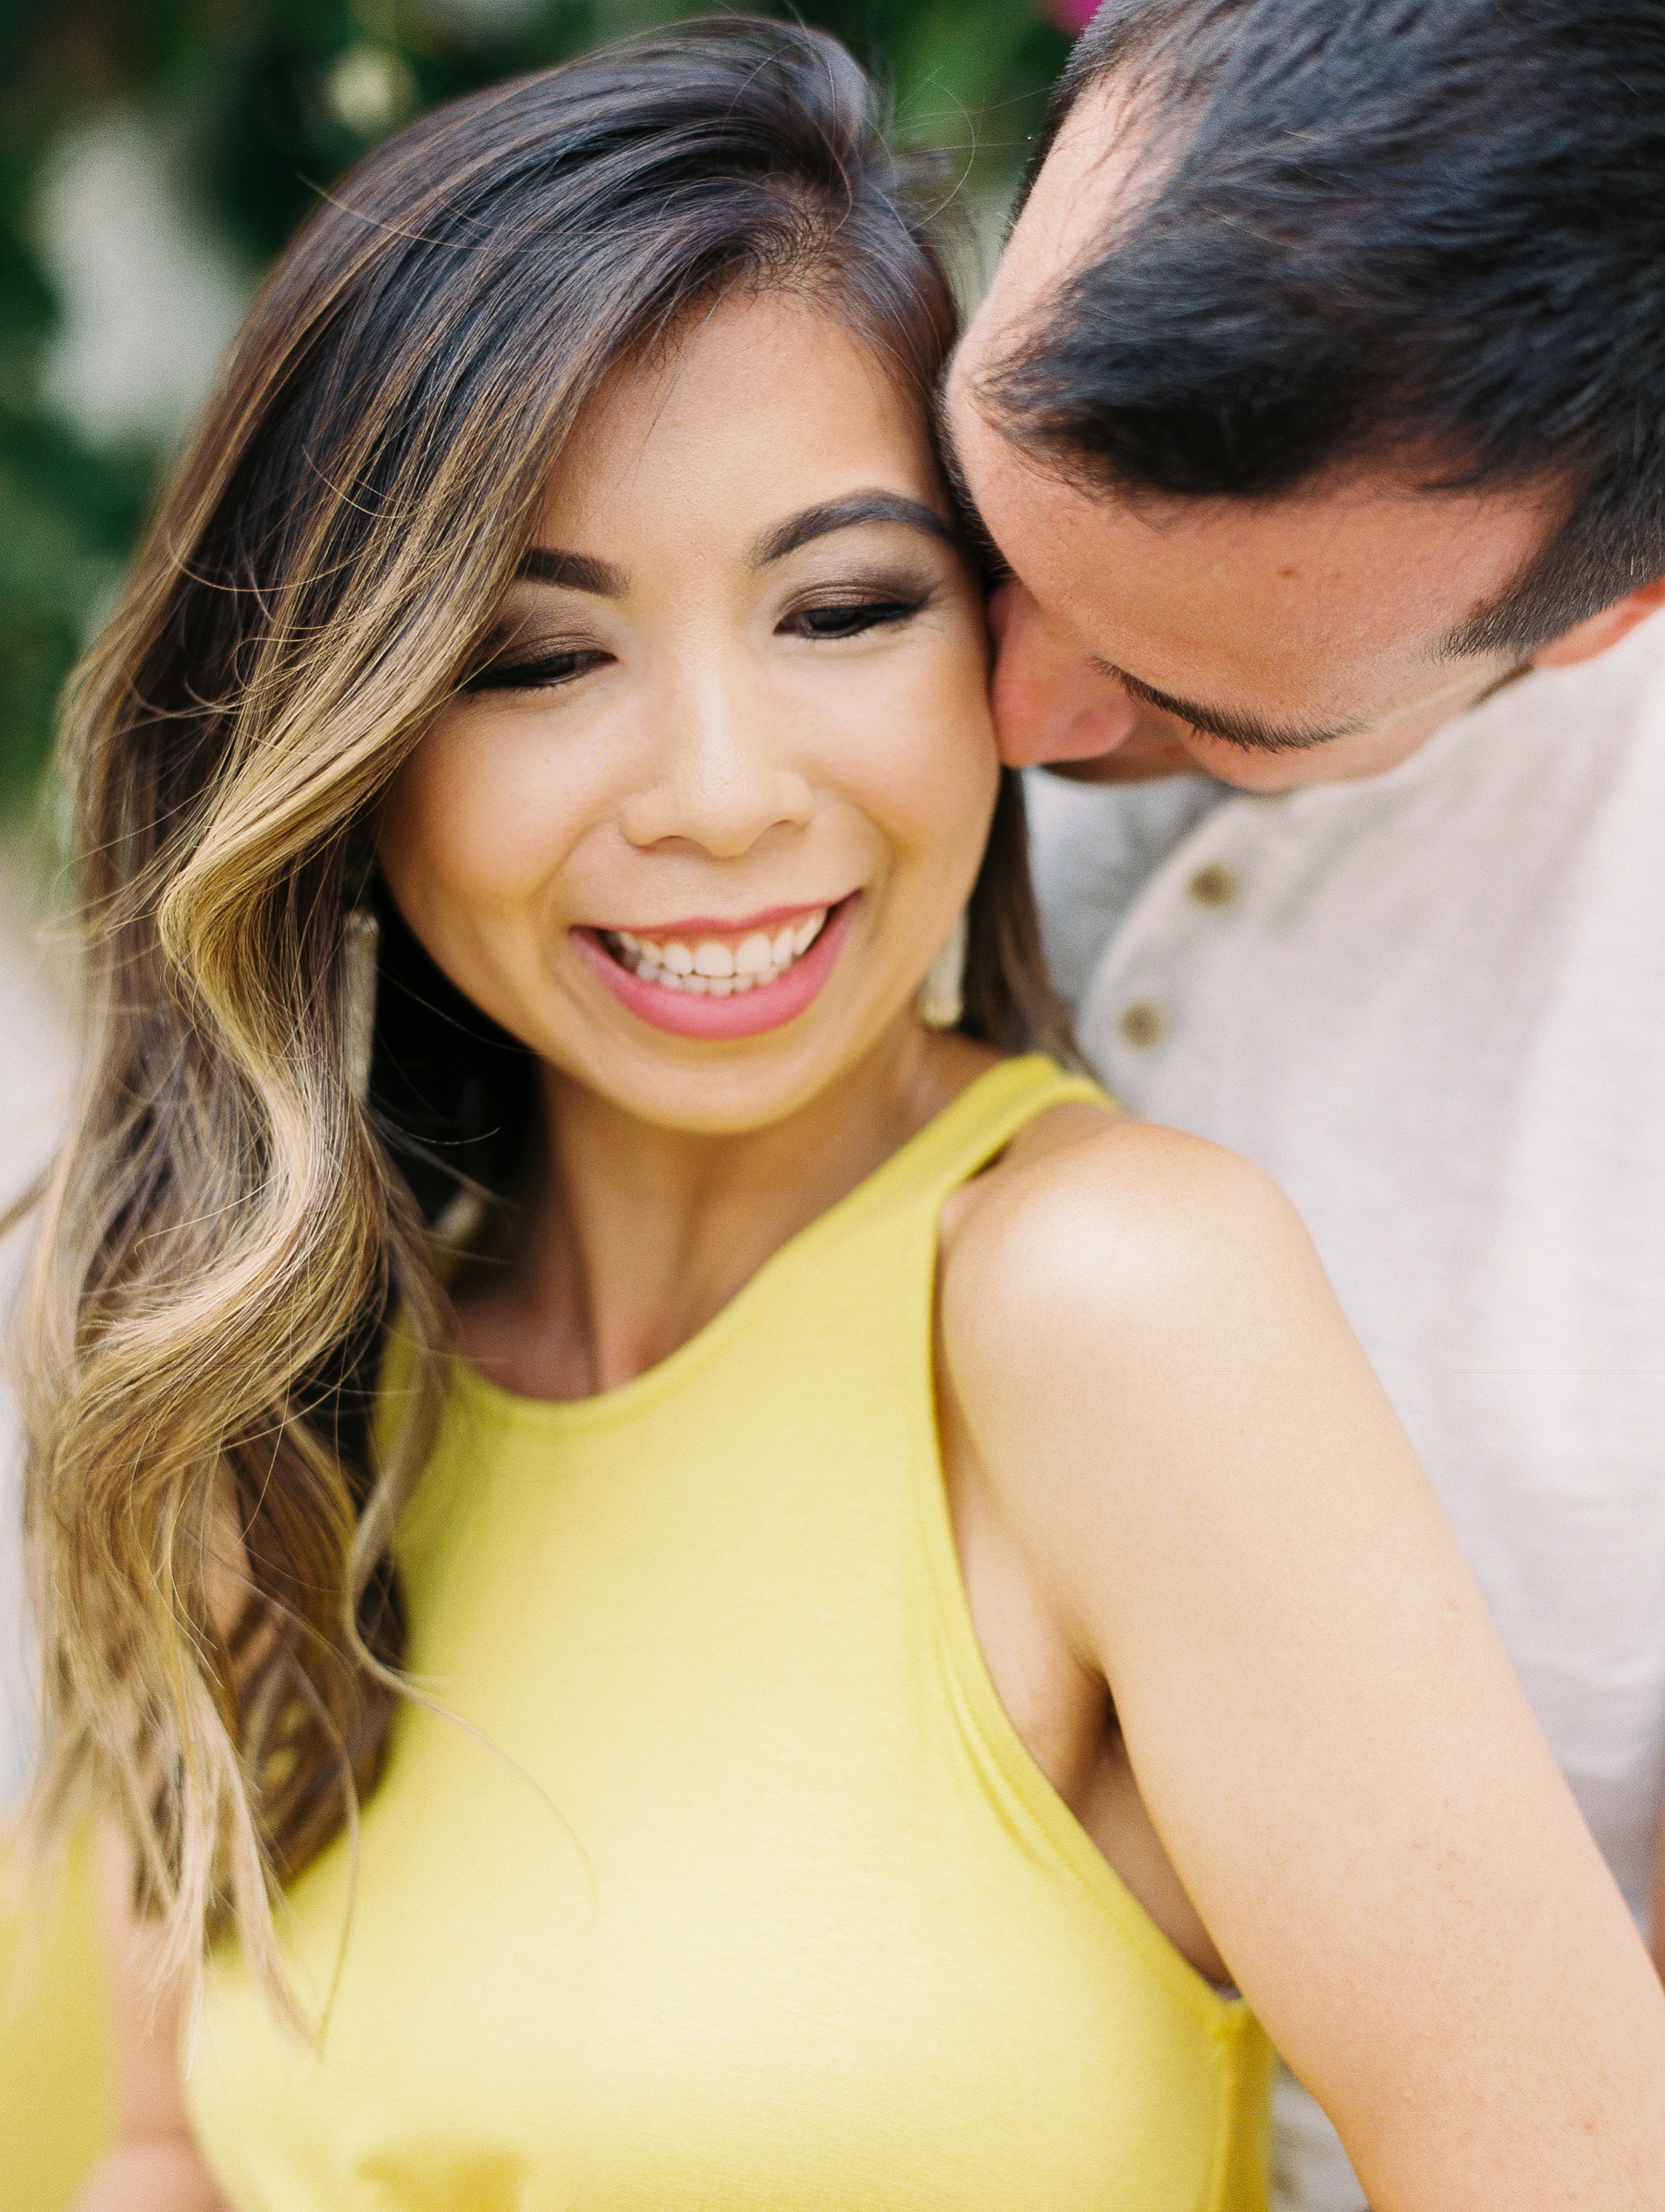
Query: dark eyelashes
{"type": "Point", "coordinates": [530, 675]}
{"type": "Point", "coordinates": [825, 622]}
{"type": "Point", "coordinates": [850, 618]}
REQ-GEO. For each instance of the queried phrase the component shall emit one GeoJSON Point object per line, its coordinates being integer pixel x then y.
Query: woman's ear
{"type": "Point", "coordinates": [1586, 640]}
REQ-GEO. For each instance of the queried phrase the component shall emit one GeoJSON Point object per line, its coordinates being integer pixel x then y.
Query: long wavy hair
{"type": "Point", "coordinates": [231, 1225]}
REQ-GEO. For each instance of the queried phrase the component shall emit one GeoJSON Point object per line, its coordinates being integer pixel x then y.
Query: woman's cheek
{"type": "Point", "coordinates": [958, 764]}
{"type": "Point", "coordinates": [478, 811]}
{"type": "Point", "coordinates": [931, 736]}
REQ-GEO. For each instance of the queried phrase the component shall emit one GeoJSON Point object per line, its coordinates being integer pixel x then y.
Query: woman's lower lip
{"type": "Point", "coordinates": [745, 1014]}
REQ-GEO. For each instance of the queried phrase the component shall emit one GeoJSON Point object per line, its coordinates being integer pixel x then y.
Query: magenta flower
{"type": "Point", "coordinates": [1070, 15]}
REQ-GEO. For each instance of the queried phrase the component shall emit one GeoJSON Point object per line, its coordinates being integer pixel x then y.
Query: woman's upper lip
{"type": "Point", "coordinates": [706, 925]}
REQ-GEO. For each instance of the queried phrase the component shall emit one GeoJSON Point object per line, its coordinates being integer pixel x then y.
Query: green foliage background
{"type": "Point", "coordinates": [264, 102]}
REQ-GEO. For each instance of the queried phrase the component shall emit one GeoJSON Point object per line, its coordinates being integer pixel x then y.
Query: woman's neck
{"type": "Point", "coordinates": [635, 1235]}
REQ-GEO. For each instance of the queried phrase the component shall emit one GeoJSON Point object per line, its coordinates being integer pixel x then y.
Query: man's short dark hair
{"type": "Point", "coordinates": [1429, 231]}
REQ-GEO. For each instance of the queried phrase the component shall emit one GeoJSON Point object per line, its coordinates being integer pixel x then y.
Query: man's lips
{"type": "Point", "coordinates": [725, 979]}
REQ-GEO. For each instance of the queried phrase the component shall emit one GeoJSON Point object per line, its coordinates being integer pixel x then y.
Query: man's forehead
{"type": "Point", "coordinates": [1241, 602]}
{"type": "Point", "coordinates": [1099, 156]}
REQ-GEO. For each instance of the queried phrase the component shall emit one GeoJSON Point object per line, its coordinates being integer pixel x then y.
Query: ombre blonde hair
{"type": "Point", "coordinates": [229, 1226]}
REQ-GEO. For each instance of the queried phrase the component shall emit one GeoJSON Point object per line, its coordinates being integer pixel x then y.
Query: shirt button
{"type": "Point", "coordinates": [1215, 885]}
{"type": "Point", "coordinates": [1142, 1024]}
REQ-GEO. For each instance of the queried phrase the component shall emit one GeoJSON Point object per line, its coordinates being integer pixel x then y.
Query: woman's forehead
{"type": "Point", "coordinates": [756, 389]}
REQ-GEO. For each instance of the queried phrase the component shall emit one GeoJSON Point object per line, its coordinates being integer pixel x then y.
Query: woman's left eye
{"type": "Point", "coordinates": [850, 618]}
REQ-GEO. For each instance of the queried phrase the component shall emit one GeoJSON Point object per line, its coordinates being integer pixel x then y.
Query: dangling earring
{"type": "Point", "coordinates": [360, 943]}
{"type": "Point", "coordinates": [941, 1000]}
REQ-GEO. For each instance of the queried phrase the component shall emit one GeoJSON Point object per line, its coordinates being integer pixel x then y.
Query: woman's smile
{"type": "Point", "coordinates": [709, 979]}
{"type": "Point", "coordinates": [719, 771]}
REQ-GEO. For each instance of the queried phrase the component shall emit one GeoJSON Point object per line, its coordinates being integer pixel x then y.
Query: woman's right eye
{"type": "Point", "coordinates": [543, 671]}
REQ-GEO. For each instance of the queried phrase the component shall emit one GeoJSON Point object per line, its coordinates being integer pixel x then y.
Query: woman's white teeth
{"type": "Point", "coordinates": [714, 966]}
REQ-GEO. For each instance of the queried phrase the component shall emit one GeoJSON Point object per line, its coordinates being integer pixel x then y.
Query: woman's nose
{"type": "Point", "coordinates": [723, 778]}
{"type": "Point", "coordinates": [1050, 702]}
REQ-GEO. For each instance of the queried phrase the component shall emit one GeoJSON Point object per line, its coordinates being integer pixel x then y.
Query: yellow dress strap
{"type": "Point", "coordinates": [980, 1123]}
{"type": "Point", "coordinates": [951, 1148]}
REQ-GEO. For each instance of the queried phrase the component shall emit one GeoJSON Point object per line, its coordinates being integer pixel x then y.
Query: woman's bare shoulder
{"type": "Point", "coordinates": [1103, 1221]}
{"type": "Point", "coordinates": [1120, 1306]}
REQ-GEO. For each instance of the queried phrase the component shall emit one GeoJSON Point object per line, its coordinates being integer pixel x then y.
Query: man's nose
{"type": "Point", "coordinates": [722, 777]}
{"type": "Point", "coordinates": [1050, 702]}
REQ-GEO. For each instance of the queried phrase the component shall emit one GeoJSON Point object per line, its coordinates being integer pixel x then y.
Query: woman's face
{"type": "Point", "coordinates": [713, 802]}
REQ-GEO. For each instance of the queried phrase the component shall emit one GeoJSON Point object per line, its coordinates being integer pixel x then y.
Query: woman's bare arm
{"type": "Point", "coordinates": [154, 2167]}
{"type": "Point", "coordinates": [1184, 1440]}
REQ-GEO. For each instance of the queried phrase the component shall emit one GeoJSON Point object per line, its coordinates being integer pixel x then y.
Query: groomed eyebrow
{"type": "Point", "coordinates": [849, 514]}
{"type": "Point", "coordinates": [577, 572]}
{"type": "Point", "coordinates": [583, 572]}
{"type": "Point", "coordinates": [1246, 730]}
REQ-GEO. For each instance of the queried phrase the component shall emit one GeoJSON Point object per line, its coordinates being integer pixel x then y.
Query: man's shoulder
{"type": "Point", "coordinates": [1613, 703]}
{"type": "Point", "coordinates": [1553, 769]}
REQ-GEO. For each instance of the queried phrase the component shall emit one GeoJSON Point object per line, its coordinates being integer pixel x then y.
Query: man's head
{"type": "Point", "coordinates": [1322, 384]}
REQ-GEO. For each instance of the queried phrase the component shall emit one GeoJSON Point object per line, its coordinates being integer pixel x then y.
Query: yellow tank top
{"type": "Point", "coordinates": [730, 1887]}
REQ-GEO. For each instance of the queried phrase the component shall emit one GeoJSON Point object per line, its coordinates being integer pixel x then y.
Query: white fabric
{"type": "Point", "coordinates": [1432, 1004]}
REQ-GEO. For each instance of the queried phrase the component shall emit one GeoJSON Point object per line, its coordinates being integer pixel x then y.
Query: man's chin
{"type": "Point", "coordinates": [1140, 759]}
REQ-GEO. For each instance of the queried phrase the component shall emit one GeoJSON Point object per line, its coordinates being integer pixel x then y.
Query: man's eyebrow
{"type": "Point", "coordinates": [577, 572]}
{"type": "Point", "coordinates": [1246, 730]}
{"type": "Point", "coordinates": [849, 514]}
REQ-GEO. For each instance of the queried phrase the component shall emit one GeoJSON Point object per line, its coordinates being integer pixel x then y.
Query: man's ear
{"type": "Point", "coordinates": [1588, 638]}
